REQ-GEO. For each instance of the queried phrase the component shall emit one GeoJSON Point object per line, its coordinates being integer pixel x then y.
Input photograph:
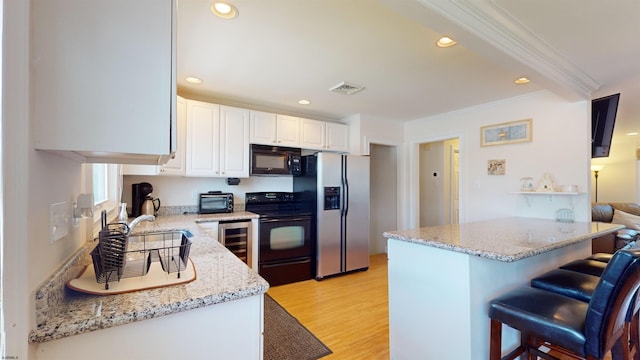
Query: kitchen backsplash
{"type": "Point", "coordinates": [180, 194]}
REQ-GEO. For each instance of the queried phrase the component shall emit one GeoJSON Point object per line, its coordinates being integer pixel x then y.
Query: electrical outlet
{"type": "Point", "coordinates": [59, 218]}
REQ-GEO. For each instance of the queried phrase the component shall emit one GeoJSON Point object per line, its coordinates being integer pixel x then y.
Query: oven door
{"type": "Point", "coordinates": [285, 237]}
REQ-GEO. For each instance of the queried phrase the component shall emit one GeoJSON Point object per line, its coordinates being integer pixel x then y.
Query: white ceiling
{"type": "Point", "coordinates": [279, 51]}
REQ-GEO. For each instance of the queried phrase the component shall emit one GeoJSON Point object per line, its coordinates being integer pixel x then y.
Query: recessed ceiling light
{"type": "Point", "coordinates": [304, 102]}
{"type": "Point", "coordinates": [445, 42]}
{"type": "Point", "coordinates": [522, 80]}
{"type": "Point", "coordinates": [193, 80]}
{"type": "Point", "coordinates": [224, 10]}
{"type": "Point", "coordinates": [632, 133]}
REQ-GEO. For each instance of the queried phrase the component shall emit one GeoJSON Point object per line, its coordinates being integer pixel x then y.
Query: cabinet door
{"type": "Point", "coordinates": [234, 142]}
{"type": "Point", "coordinates": [337, 138]}
{"type": "Point", "coordinates": [104, 41]}
{"type": "Point", "coordinates": [203, 139]}
{"type": "Point", "coordinates": [175, 166]}
{"type": "Point", "coordinates": [262, 128]}
{"type": "Point", "coordinates": [130, 169]}
{"type": "Point", "coordinates": [312, 134]}
{"type": "Point", "coordinates": [288, 131]}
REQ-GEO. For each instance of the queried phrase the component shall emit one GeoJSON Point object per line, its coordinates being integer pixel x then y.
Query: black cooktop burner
{"type": "Point", "coordinates": [272, 203]}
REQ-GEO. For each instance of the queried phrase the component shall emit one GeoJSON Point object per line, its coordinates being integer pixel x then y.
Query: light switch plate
{"type": "Point", "coordinates": [59, 218]}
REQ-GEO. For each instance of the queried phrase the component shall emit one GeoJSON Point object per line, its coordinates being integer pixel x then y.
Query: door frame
{"type": "Point", "coordinates": [401, 191]}
{"type": "Point", "coordinates": [413, 177]}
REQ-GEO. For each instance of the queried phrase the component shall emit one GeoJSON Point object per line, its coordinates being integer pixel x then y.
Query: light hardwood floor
{"type": "Point", "coordinates": [349, 313]}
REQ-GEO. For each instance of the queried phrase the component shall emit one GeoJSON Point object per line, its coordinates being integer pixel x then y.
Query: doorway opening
{"type": "Point", "coordinates": [383, 199]}
{"type": "Point", "coordinates": [439, 182]}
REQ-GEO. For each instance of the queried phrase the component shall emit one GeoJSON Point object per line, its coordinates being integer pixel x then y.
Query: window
{"type": "Point", "coordinates": [106, 186]}
{"type": "Point", "coordinates": [100, 184]}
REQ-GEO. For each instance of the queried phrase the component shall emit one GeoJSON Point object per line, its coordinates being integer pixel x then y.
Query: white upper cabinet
{"type": "Point", "coordinates": [320, 135]}
{"type": "Point", "coordinates": [271, 129]}
{"type": "Point", "coordinates": [234, 142]}
{"type": "Point", "coordinates": [263, 128]}
{"type": "Point", "coordinates": [312, 134]}
{"type": "Point", "coordinates": [337, 137]}
{"type": "Point", "coordinates": [217, 140]}
{"type": "Point", "coordinates": [176, 165]}
{"type": "Point", "coordinates": [104, 86]}
{"type": "Point", "coordinates": [203, 139]}
{"type": "Point", "coordinates": [288, 131]}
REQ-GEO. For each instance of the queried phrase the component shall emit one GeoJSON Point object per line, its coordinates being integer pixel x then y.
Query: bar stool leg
{"type": "Point", "coordinates": [634, 333]}
{"type": "Point", "coordinates": [620, 350]}
{"type": "Point", "coordinates": [495, 345]}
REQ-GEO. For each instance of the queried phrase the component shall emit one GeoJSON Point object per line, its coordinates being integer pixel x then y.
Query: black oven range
{"type": "Point", "coordinates": [285, 237]}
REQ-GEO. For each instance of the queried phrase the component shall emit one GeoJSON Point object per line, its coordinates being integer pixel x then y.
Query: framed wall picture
{"type": "Point", "coordinates": [496, 167]}
{"type": "Point", "coordinates": [506, 133]}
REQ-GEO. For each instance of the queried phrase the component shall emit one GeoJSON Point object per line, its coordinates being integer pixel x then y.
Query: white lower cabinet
{"type": "Point", "coordinates": [217, 140]}
{"type": "Point", "coordinates": [230, 330]}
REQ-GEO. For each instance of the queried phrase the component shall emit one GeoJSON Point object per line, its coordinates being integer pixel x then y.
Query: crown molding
{"type": "Point", "coordinates": [498, 28]}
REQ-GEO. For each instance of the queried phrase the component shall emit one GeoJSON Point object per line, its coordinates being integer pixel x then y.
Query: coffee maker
{"type": "Point", "coordinates": [139, 193]}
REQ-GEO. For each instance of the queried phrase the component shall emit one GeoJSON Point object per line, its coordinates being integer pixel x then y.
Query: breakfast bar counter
{"type": "Point", "coordinates": [442, 278]}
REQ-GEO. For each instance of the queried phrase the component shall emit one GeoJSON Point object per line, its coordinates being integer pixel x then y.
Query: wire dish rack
{"type": "Point", "coordinates": [119, 256]}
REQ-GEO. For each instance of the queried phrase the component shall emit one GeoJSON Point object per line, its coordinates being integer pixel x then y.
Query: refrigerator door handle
{"type": "Point", "coordinates": [345, 188]}
{"type": "Point", "coordinates": [343, 214]}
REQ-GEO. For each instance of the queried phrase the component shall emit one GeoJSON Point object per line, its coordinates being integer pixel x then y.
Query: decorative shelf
{"type": "Point", "coordinates": [550, 194]}
{"type": "Point", "coordinates": [547, 193]}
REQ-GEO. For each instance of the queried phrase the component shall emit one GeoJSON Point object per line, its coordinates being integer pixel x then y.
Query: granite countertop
{"type": "Point", "coordinates": [221, 277]}
{"type": "Point", "coordinates": [508, 239]}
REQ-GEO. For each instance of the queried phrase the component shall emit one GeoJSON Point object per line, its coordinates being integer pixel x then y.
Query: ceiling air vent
{"type": "Point", "coordinates": [346, 88]}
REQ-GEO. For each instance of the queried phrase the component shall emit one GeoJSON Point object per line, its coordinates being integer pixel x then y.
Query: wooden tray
{"type": "Point", "coordinates": [155, 278]}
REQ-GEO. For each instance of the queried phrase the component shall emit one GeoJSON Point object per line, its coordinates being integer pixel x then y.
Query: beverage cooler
{"type": "Point", "coordinates": [236, 236]}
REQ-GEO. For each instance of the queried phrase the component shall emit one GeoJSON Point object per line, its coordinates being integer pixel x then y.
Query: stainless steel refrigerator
{"type": "Point", "coordinates": [336, 188]}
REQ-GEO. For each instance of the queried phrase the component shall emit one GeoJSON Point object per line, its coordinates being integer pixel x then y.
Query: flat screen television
{"type": "Point", "coordinates": [603, 117]}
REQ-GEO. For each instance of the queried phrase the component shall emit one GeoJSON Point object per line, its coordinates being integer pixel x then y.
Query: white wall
{"type": "Point", "coordinates": [184, 191]}
{"type": "Point", "coordinates": [32, 181]}
{"type": "Point", "coordinates": [560, 146]}
{"type": "Point", "coordinates": [618, 178]}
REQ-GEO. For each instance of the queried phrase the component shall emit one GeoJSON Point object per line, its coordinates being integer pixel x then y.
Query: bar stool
{"type": "Point", "coordinates": [578, 280]}
{"type": "Point", "coordinates": [568, 279]}
{"type": "Point", "coordinates": [586, 266]}
{"type": "Point", "coordinates": [579, 329]}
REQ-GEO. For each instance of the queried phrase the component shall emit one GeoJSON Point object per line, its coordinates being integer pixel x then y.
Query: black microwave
{"type": "Point", "coordinates": [215, 202]}
{"type": "Point", "coordinates": [275, 160]}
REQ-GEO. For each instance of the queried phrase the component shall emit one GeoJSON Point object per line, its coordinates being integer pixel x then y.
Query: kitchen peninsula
{"type": "Point", "coordinates": [218, 315]}
{"type": "Point", "coordinates": [442, 278]}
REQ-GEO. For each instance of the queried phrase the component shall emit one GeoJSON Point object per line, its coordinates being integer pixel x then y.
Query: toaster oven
{"type": "Point", "coordinates": [214, 202]}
